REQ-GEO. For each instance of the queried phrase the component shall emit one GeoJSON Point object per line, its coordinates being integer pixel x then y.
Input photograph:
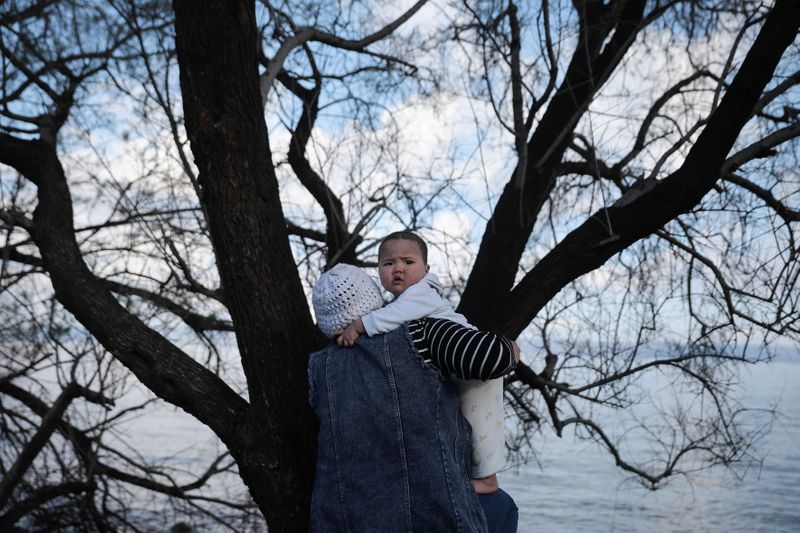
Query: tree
{"type": "Point", "coordinates": [685, 210]}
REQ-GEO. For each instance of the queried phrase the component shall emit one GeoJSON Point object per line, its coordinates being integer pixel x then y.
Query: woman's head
{"type": "Point", "coordinates": [343, 294]}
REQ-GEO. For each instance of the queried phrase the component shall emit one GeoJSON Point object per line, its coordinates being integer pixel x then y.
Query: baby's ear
{"type": "Point", "coordinates": [427, 268]}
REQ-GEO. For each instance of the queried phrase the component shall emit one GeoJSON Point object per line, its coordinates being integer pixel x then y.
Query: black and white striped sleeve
{"type": "Point", "coordinates": [461, 351]}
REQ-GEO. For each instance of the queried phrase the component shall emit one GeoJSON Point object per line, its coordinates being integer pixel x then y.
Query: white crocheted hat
{"type": "Point", "coordinates": [343, 294]}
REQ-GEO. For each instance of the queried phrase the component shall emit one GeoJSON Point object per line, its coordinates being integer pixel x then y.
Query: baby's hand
{"type": "Point", "coordinates": [516, 351]}
{"type": "Point", "coordinates": [351, 333]}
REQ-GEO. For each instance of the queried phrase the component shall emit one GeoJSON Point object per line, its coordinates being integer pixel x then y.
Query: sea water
{"type": "Point", "coordinates": [577, 487]}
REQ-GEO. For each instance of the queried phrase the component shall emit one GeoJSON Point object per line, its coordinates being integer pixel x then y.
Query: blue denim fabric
{"type": "Point", "coordinates": [393, 451]}
{"type": "Point", "coordinates": [501, 511]}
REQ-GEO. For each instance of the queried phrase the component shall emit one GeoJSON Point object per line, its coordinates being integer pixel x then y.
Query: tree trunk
{"type": "Point", "coordinates": [217, 53]}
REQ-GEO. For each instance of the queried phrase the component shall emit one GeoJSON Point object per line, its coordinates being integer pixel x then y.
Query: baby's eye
{"type": "Point", "coordinates": [409, 261]}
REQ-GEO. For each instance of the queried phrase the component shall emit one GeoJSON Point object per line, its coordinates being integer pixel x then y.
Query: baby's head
{"type": "Point", "coordinates": [402, 261]}
{"type": "Point", "coordinates": [343, 294]}
{"type": "Point", "coordinates": [406, 236]}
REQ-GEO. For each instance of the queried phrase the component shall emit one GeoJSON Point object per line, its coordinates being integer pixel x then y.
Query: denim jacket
{"type": "Point", "coordinates": [393, 452]}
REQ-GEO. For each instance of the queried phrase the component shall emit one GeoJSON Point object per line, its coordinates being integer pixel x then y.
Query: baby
{"type": "Point", "coordinates": [404, 271]}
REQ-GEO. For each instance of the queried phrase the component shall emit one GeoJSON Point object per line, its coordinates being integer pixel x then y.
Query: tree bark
{"type": "Point", "coordinates": [217, 48]}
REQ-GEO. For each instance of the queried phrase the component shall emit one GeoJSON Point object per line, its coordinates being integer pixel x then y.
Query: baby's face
{"type": "Point", "coordinates": [400, 265]}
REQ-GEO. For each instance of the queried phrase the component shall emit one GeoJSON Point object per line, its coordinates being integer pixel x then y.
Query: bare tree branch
{"type": "Point", "coordinates": [614, 228]}
{"type": "Point", "coordinates": [304, 35]}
